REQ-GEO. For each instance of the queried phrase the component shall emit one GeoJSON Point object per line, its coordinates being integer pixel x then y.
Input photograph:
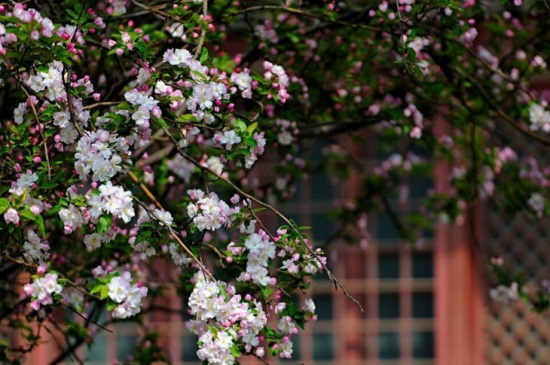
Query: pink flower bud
{"type": "Point", "coordinates": [35, 209]}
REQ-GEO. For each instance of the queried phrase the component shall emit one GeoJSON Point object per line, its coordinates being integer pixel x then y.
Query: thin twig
{"type": "Point", "coordinates": [145, 190]}
{"type": "Point", "coordinates": [84, 317]}
{"type": "Point", "coordinates": [156, 10]}
{"type": "Point", "coordinates": [203, 30]}
{"type": "Point", "coordinates": [70, 105]}
{"type": "Point", "coordinates": [302, 13]}
{"type": "Point", "coordinates": [46, 152]}
{"type": "Point", "coordinates": [103, 103]}
{"type": "Point", "coordinates": [175, 236]}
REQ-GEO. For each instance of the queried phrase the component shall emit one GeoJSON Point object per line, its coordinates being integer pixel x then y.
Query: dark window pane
{"type": "Point", "coordinates": [317, 149]}
{"type": "Point", "coordinates": [322, 228]}
{"type": "Point", "coordinates": [388, 305]}
{"type": "Point", "coordinates": [125, 346]}
{"type": "Point", "coordinates": [321, 187]}
{"type": "Point", "coordinates": [385, 229]}
{"type": "Point", "coordinates": [428, 233]}
{"type": "Point", "coordinates": [322, 276]}
{"type": "Point", "coordinates": [322, 346]}
{"type": "Point", "coordinates": [323, 307]}
{"type": "Point", "coordinates": [422, 265]}
{"type": "Point", "coordinates": [423, 305]}
{"type": "Point", "coordinates": [97, 353]}
{"type": "Point", "coordinates": [388, 345]}
{"type": "Point", "coordinates": [419, 186]}
{"type": "Point", "coordinates": [388, 266]}
{"type": "Point", "coordinates": [189, 348]}
{"type": "Point", "coordinates": [297, 188]}
{"type": "Point", "coordinates": [423, 345]}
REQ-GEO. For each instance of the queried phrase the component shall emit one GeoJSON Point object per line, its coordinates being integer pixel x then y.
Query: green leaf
{"type": "Point", "coordinates": [27, 214]}
{"type": "Point", "coordinates": [251, 142]}
{"type": "Point", "coordinates": [162, 122]}
{"type": "Point", "coordinates": [266, 292]}
{"type": "Point", "coordinates": [241, 125]}
{"type": "Point", "coordinates": [55, 209]}
{"type": "Point", "coordinates": [40, 225]}
{"type": "Point", "coordinates": [104, 292]}
{"type": "Point", "coordinates": [252, 127]}
{"type": "Point", "coordinates": [4, 205]}
{"type": "Point", "coordinates": [104, 223]}
{"type": "Point", "coordinates": [199, 74]}
{"type": "Point", "coordinates": [204, 55]}
{"type": "Point", "coordinates": [123, 106]}
{"type": "Point", "coordinates": [235, 351]}
{"type": "Point", "coordinates": [96, 289]}
{"type": "Point", "coordinates": [48, 185]}
{"type": "Point", "coordinates": [244, 152]}
{"type": "Point", "coordinates": [270, 332]}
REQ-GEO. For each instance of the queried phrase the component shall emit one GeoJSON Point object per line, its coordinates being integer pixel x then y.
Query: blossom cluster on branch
{"type": "Point", "coordinates": [131, 133]}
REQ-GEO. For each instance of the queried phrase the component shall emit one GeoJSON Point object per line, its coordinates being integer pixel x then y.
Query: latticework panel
{"type": "Point", "coordinates": [516, 335]}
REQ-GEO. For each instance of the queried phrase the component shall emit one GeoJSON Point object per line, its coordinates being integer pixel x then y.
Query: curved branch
{"type": "Point", "coordinates": [485, 95]}
{"type": "Point", "coordinates": [325, 129]}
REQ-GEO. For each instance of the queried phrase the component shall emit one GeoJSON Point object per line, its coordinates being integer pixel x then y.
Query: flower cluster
{"type": "Point", "coordinates": [103, 109]}
{"type": "Point", "coordinates": [227, 138]}
{"type": "Point", "coordinates": [206, 94]}
{"type": "Point", "coordinates": [95, 240]}
{"type": "Point", "coordinates": [179, 258]}
{"type": "Point", "coordinates": [298, 261]}
{"type": "Point", "coordinates": [279, 78]}
{"type": "Point", "coordinates": [146, 107]}
{"type": "Point", "coordinates": [112, 199]}
{"type": "Point", "coordinates": [287, 130]}
{"type": "Point", "coordinates": [505, 294]}
{"type": "Point", "coordinates": [43, 290]}
{"type": "Point", "coordinates": [259, 137]}
{"type": "Point", "coordinates": [30, 16]}
{"type": "Point", "coordinates": [223, 318]}
{"type": "Point", "coordinates": [107, 199]}
{"type": "Point", "coordinates": [51, 81]}
{"type": "Point", "coordinates": [260, 251]}
{"type": "Point", "coordinates": [34, 249]}
{"type": "Point", "coordinates": [101, 153]}
{"type": "Point", "coordinates": [208, 211]}
{"type": "Point", "coordinates": [25, 181]}
{"type": "Point", "coordinates": [539, 118]}
{"type": "Point", "coordinates": [181, 168]}
{"type": "Point", "coordinates": [128, 295]}
{"type": "Point", "coordinates": [243, 81]}
{"type": "Point", "coordinates": [141, 245]}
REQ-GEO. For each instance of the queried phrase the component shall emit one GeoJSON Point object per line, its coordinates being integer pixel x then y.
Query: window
{"type": "Point", "coordinates": [391, 280]}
